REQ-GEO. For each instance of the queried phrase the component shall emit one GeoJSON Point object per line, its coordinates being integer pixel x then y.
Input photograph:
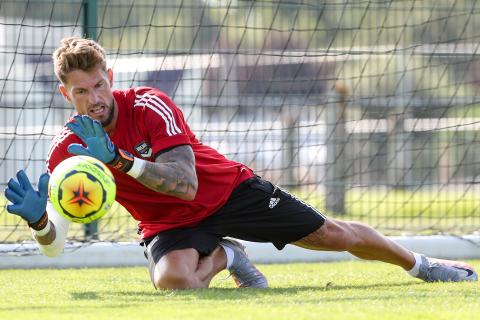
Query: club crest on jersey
{"type": "Point", "coordinates": [144, 149]}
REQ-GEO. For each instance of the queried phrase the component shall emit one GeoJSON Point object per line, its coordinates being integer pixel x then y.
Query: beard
{"type": "Point", "coordinates": [110, 115]}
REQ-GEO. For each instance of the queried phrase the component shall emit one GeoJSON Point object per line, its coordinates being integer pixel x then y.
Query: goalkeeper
{"type": "Point", "coordinates": [186, 196]}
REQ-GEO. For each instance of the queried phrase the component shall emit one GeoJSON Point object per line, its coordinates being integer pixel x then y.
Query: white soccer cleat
{"type": "Point", "coordinates": [433, 270]}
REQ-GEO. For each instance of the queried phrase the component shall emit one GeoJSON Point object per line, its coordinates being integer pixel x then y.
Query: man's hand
{"type": "Point", "coordinates": [98, 144]}
{"type": "Point", "coordinates": [27, 203]}
{"type": "Point", "coordinates": [95, 138]}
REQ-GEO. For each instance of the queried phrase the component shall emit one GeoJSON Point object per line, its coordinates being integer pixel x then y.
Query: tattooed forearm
{"type": "Point", "coordinates": [172, 173]}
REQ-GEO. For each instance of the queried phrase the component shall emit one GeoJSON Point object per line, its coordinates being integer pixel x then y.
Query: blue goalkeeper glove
{"type": "Point", "coordinates": [98, 143]}
{"type": "Point", "coordinates": [95, 138]}
{"type": "Point", "coordinates": [27, 203]}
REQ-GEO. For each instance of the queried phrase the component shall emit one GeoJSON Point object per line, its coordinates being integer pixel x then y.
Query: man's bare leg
{"type": "Point", "coordinates": [365, 242]}
{"type": "Point", "coordinates": [360, 240]}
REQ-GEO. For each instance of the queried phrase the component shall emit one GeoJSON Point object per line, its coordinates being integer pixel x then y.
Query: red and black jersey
{"type": "Point", "coordinates": [149, 122]}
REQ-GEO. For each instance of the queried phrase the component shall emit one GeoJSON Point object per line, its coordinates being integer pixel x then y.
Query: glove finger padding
{"type": "Point", "coordinates": [43, 185]}
{"type": "Point", "coordinates": [98, 129]}
{"type": "Point", "coordinates": [14, 208]}
{"type": "Point", "coordinates": [77, 129]}
{"type": "Point", "coordinates": [87, 124]}
{"type": "Point", "coordinates": [14, 186]}
{"type": "Point", "coordinates": [12, 196]}
{"type": "Point", "coordinates": [24, 181]}
{"type": "Point", "coordinates": [78, 149]}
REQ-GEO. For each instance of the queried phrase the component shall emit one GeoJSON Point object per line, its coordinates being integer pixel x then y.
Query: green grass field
{"type": "Point", "coordinates": [340, 290]}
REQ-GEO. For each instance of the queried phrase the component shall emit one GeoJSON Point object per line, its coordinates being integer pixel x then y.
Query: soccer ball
{"type": "Point", "coordinates": [82, 189]}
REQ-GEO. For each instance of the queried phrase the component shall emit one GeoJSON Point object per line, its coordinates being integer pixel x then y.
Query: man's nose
{"type": "Point", "coordinates": [92, 97]}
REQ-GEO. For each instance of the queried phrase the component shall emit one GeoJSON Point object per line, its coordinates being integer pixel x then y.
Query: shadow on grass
{"type": "Point", "coordinates": [88, 295]}
{"type": "Point", "coordinates": [235, 293]}
{"type": "Point", "coordinates": [229, 293]}
{"type": "Point", "coordinates": [308, 294]}
{"type": "Point", "coordinates": [108, 299]}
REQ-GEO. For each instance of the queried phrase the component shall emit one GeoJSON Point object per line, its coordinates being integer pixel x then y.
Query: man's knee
{"type": "Point", "coordinates": [172, 279]}
{"type": "Point", "coordinates": [176, 270]}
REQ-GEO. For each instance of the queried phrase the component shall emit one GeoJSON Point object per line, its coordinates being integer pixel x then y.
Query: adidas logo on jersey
{"type": "Point", "coordinates": [273, 202]}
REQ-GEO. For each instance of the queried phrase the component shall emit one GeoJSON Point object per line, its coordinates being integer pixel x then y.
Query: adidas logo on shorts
{"type": "Point", "coordinates": [273, 202]}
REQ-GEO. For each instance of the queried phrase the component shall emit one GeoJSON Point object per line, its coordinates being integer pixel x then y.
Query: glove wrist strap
{"type": "Point", "coordinates": [41, 223]}
{"type": "Point", "coordinates": [123, 160]}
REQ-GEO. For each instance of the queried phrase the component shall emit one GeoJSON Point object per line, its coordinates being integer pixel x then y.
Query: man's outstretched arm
{"type": "Point", "coordinates": [173, 172]}
{"type": "Point", "coordinates": [48, 228]}
{"type": "Point", "coordinates": [51, 240]}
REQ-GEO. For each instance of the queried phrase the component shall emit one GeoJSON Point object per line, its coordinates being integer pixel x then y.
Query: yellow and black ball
{"type": "Point", "coordinates": [82, 189]}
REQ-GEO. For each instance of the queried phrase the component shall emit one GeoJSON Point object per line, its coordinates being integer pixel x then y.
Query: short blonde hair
{"type": "Point", "coordinates": [76, 53]}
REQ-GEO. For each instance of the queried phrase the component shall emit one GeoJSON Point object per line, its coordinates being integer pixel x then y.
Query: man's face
{"type": "Point", "coordinates": [90, 93]}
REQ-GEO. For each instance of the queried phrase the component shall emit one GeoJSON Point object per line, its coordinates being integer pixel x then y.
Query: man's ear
{"type": "Point", "coordinates": [64, 92]}
{"type": "Point", "coordinates": [110, 76]}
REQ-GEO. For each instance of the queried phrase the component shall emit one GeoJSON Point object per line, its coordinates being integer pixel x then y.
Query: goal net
{"type": "Point", "coordinates": [367, 110]}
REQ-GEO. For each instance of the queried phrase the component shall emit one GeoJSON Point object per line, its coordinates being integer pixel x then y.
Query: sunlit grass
{"type": "Point", "coordinates": [340, 290]}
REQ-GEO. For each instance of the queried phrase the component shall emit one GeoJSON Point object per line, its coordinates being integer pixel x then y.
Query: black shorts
{"type": "Point", "coordinates": [256, 211]}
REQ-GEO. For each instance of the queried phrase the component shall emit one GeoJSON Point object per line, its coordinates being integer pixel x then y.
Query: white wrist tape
{"type": "Point", "coordinates": [42, 232]}
{"type": "Point", "coordinates": [137, 168]}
